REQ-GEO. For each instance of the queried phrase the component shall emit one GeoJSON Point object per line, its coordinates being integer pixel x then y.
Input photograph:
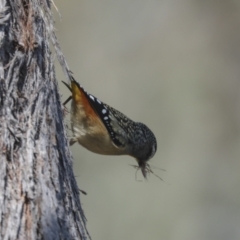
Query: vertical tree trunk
{"type": "Point", "coordinates": [39, 197]}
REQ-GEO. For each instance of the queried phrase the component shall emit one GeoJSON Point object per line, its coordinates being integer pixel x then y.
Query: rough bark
{"type": "Point", "coordinates": [39, 197]}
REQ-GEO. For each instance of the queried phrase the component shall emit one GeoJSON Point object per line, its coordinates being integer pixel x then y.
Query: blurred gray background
{"type": "Point", "coordinates": [175, 66]}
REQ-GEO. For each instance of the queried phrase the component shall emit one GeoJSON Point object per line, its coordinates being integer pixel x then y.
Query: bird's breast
{"type": "Point", "coordinates": [92, 134]}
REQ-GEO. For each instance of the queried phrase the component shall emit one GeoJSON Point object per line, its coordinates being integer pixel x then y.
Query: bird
{"type": "Point", "coordinates": [104, 130]}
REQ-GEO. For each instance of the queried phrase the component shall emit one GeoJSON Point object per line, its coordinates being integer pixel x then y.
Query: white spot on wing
{"type": "Point", "coordinates": [106, 118]}
{"type": "Point", "coordinates": [104, 111]}
{"type": "Point", "coordinates": [92, 97]}
{"type": "Point", "coordinates": [99, 101]}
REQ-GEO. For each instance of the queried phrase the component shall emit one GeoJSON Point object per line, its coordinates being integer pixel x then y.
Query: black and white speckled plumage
{"type": "Point", "coordinates": [141, 139]}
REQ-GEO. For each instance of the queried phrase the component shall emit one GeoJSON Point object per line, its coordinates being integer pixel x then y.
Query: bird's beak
{"type": "Point", "coordinates": [143, 167]}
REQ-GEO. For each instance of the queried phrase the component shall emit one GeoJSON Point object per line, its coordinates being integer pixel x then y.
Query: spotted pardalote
{"type": "Point", "coordinates": [104, 130]}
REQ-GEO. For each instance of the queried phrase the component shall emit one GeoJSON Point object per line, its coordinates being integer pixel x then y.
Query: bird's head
{"type": "Point", "coordinates": [145, 148]}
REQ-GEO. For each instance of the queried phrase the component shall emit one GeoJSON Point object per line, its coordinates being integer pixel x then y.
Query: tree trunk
{"type": "Point", "coordinates": [39, 197]}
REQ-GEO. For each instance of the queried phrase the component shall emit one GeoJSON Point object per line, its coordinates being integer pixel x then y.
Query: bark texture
{"type": "Point", "coordinates": [39, 197]}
